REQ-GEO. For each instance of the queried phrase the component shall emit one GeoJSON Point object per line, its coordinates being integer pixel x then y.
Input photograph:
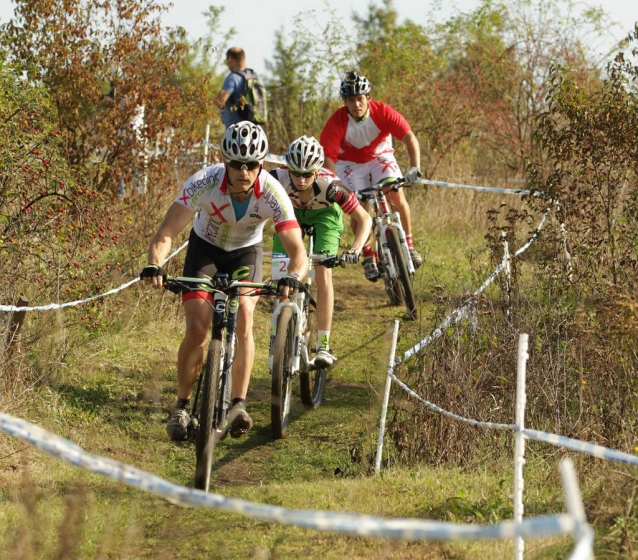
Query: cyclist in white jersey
{"type": "Point", "coordinates": [357, 140]}
{"type": "Point", "coordinates": [319, 199]}
{"type": "Point", "coordinates": [231, 202]}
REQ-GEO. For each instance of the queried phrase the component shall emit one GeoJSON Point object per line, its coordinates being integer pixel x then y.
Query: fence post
{"type": "Point", "coordinates": [508, 276]}
{"type": "Point", "coordinates": [207, 137]}
{"type": "Point", "coordinates": [519, 441]}
{"type": "Point", "coordinates": [15, 324]}
{"type": "Point", "coordinates": [386, 398]}
{"type": "Point", "coordinates": [583, 533]}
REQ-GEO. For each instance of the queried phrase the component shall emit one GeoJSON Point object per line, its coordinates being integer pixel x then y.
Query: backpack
{"type": "Point", "coordinates": [252, 106]}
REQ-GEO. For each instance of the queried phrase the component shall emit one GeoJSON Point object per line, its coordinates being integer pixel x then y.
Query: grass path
{"type": "Point", "coordinates": [112, 397]}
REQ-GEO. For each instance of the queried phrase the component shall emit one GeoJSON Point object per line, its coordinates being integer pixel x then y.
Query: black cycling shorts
{"type": "Point", "coordinates": [203, 260]}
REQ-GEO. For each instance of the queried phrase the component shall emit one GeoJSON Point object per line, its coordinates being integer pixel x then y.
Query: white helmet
{"type": "Point", "coordinates": [245, 141]}
{"type": "Point", "coordinates": [305, 155]}
{"type": "Point", "coordinates": [353, 85]}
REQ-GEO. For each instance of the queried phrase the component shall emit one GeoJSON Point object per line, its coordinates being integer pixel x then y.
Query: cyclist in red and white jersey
{"type": "Point", "coordinates": [231, 202]}
{"type": "Point", "coordinates": [357, 140]}
{"type": "Point", "coordinates": [319, 199]}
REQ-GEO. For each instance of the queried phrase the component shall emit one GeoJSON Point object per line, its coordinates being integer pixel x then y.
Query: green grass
{"type": "Point", "coordinates": [111, 395]}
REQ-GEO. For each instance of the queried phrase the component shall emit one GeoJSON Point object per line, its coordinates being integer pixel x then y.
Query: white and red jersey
{"type": "Point", "coordinates": [327, 189]}
{"type": "Point", "coordinates": [206, 192]}
{"type": "Point", "coordinates": [345, 139]}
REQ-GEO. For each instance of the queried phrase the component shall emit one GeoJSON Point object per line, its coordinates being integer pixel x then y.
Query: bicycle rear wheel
{"type": "Point", "coordinates": [403, 286]}
{"type": "Point", "coordinates": [281, 392]}
{"type": "Point", "coordinates": [312, 381]}
{"type": "Point", "coordinates": [211, 411]}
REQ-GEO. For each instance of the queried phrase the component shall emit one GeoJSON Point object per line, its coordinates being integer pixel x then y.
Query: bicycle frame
{"type": "Point", "coordinates": [383, 221]}
{"type": "Point", "coordinates": [299, 303]}
{"type": "Point", "coordinates": [225, 310]}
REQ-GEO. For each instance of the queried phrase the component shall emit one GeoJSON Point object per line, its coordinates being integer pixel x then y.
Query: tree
{"type": "Point", "coordinates": [78, 47]}
{"type": "Point", "coordinates": [304, 75]}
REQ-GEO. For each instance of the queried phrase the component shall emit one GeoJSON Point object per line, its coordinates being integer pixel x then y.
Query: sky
{"type": "Point", "coordinates": [257, 21]}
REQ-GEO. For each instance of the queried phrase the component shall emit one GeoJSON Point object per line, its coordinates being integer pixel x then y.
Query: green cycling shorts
{"type": "Point", "coordinates": [328, 224]}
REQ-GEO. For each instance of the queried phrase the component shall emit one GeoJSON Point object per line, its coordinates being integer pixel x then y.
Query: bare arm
{"type": "Point", "coordinates": [414, 151]}
{"type": "Point", "coordinates": [221, 98]}
{"type": "Point", "coordinates": [176, 219]}
{"type": "Point", "coordinates": [293, 245]}
{"type": "Point", "coordinates": [329, 164]}
{"type": "Point", "coordinates": [363, 227]}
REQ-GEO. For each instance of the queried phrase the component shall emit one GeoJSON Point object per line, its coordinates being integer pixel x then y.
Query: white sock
{"type": "Point", "coordinates": [323, 339]}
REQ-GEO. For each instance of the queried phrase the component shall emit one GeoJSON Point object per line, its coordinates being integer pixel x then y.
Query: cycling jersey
{"type": "Point", "coordinates": [345, 139]}
{"type": "Point", "coordinates": [206, 192]}
{"type": "Point", "coordinates": [327, 189]}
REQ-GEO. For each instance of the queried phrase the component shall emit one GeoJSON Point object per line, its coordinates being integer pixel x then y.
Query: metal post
{"type": "Point", "coordinates": [508, 276]}
{"type": "Point", "coordinates": [519, 441]}
{"type": "Point", "coordinates": [386, 398]}
{"type": "Point", "coordinates": [206, 145]}
{"type": "Point", "coordinates": [583, 533]}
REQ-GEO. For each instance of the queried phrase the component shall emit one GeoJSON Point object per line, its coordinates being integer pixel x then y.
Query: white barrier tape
{"type": "Point", "coordinates": [451, 319]}
{"type": "Point", "coordinates": [581, 446]}
{"type": "Point", "coordinates": [492, 425]}
{"type": "Point", "coordinates": [367, 525]}
{"type": "Point", "coordinates": [560, 441]}
{"type": "Point", "coordinates": [536, 231]}
{"type": "Point", "coordinates": [50, 306]}
{"type": "Point", "coordinates": [474, 188]}
{"type": "Point", "coordinates": [270, 158]}
{"type": "Point", "coordinates": [456, 315]}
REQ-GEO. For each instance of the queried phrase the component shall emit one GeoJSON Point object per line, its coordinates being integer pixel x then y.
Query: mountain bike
{"type": "Point", "coordinates": [209, 422]}
{"type": "Point", "coordinates": [395, 263]}
{"type": "Point", "coordinates": [293, 328]}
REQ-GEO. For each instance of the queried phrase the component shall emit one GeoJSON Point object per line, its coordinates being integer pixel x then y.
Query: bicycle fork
{"type": "Point", "coordinates": [298, 334]}
{"type": "Point", "coordinates": [229, 320]}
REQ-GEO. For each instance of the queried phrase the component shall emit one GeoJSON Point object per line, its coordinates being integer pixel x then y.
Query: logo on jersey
{"type": "Point", "coordinates": [334, 194]}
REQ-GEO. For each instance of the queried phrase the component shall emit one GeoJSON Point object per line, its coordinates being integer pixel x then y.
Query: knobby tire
{"type": "Point", "coordinates": [281, 391]}
{"type": "Point", "coordinates": [392, 287]}
{"type": "Point", "coordinates": [403, 275]}
{"type": "Point", "coordinates": [211, 412]}
{"type": "Point", "coordinates": [312, 382]}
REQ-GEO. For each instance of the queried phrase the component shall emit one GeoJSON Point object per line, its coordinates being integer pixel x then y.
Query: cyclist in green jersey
{"type": "Point", "coordinates": [319, 199]}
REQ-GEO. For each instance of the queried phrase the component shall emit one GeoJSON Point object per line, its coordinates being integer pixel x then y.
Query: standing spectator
{"type": "Point", "coordinates": [230, 95]}
{"type": "Point", "coordinates": [357, 140]}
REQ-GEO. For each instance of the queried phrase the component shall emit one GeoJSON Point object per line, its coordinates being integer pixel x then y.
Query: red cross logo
{"type": "Point", "coordinates": [347, 173]}
{"type": "Point", "coordinates": [386, 164]}
{"type": "Point", "coordinates": [218, 212]}
{"type": "Point", "coordinates": [184, 198]}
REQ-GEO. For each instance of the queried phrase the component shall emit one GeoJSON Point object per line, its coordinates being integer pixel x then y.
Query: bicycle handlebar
{"type": "Point", "coordinates": [391, 183]}
{"type": "Point", "coordinates": [177, 284]}
{"type": "Point", "coordinates": [327, 261]}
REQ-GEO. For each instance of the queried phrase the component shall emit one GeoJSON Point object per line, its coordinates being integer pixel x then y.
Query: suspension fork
{"type": "Point", "coordinates": [384, 228]}
{"type": "Point", "coordinates": [225, 310]}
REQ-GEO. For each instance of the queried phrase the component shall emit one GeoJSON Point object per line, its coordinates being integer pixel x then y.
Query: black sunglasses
{"type": "Point", "coordinates": [239, 165]}
{"type": "Point", "coordinates": [304, 175]}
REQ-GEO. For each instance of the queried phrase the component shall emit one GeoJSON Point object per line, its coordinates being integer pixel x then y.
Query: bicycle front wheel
{"type": "Point", "coordinates": [404, 287]}
{"type": "Point", "coordinates": [211, 412]}
{"type": "Point", "coordinates": [283, 353]}
{"type": "Point", "coordinates": [312, 381]}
